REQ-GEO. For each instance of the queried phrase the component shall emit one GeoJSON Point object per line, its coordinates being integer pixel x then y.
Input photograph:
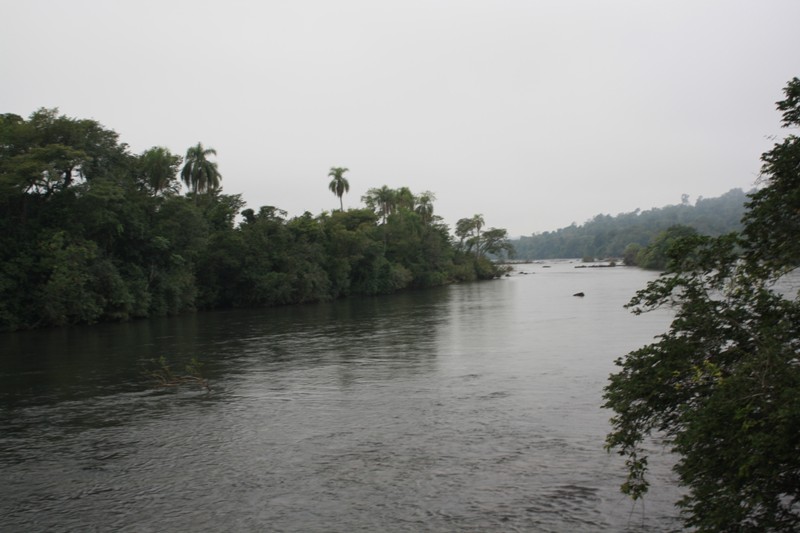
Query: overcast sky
{"type": "Point", "coordinates": [536, 114]}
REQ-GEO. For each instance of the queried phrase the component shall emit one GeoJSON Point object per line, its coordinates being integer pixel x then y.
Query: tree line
{"type": "Point", "coordinates": [629, 235]}
{"type": "Point", "coordinates": [91, 232]}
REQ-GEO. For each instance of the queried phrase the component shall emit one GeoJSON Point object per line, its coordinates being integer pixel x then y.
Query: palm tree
{"type": "Point", "coordinates": [383, 201]}
{"type": "Point", "coordinates": [404, 198]}
{"type": "Point", "coordinates": [339, 184]}
{"type": "Point", "coordinates": [198, 172]}
{"type": "Point", "coordinates": [478, 223]}
{"type": "Point", "coordinates": [469, 231]}
{"type": "Point", "coordinates": [425, 206]}
{"type": "Point", "coordinates": [159, 168]}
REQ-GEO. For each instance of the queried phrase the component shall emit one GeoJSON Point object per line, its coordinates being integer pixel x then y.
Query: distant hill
{"type": "Point", "coordinates": [607, 236]}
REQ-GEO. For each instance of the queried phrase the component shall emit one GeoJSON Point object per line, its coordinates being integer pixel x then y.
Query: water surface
{"type": "Point", "coordinates": [473, 407]}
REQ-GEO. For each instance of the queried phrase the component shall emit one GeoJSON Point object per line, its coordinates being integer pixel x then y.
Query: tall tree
{"type": "Point", "coordinates": [51, 152]}
{"type": "Point", "coordinates": [383, 201]}
{"type": "Point", "coordinates": [478, 223]}
{"type": "Point", "coordinates": [494, 241]}
{"type": "Point", "coordinates": [468, 230]}
{"type": "Point", "coordinates": [339, 184]}
{"type": "Point", "coordinates": [404, 198]}
{"type": "Point", "coordinates": [722, 385]}
{"type": "Point", "coordinates": [200, 174]}
{"type": "Point", "coordinates": [424, 206]}
{"type": "Point", "coordinates": [159, 168]}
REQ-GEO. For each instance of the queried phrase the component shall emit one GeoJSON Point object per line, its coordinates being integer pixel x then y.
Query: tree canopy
{"type": "Point", "coordinates": [159, 168]}
{"type": "Point", "coordinates": [616, 236]}
{"type": "Point", "coordinates": [722, 385]}
{"type": "Point", "coordinates": [382, 200]}
{"type": "Point", "coordinates": [90, 232]}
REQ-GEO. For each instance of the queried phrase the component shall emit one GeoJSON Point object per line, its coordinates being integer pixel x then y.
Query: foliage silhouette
{"type": "Point", "coordinates": [722, 385]}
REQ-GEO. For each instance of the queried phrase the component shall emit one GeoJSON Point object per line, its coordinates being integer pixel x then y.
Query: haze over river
{"type": "Point", "coordinates": [473, 407]}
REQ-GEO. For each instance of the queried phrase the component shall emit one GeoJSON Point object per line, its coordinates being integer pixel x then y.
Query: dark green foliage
{"type": "Point", "coordinates": [607, 236]}
{"type": "Point", "coordinates": [158, 168]}
{"type": "Point", "coordinates": [90, 233]}
{"type": "Point", "coordinates": [723, 384]}
{"type": "Point", "coordinates": [773, 217]}
{"type": "Point", "coordinates": [198, 173]}
{"type": "Point", "coordinates": [473, 239]}
{"type": "Point", "coordinates": [630, 254]}
{"type": "Point", "coordinates": [656, 255]}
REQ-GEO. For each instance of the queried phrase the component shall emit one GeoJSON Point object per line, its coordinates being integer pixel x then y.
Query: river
{"type": "Point", "coordinates": [472, 407]}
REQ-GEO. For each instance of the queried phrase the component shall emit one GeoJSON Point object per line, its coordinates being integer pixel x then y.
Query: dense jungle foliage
{"type": "Point", "coordinates": [629, 234]}
{"type": "Point", "coordinates": [722, 385]}
{"type": "Point", "coordinates": [90, 232]}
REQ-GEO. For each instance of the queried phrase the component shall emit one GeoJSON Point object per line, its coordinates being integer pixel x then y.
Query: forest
{"type": "Point", "coordinates": [629, 235]}
{"type": "Point", "coordinates": [90, 232]}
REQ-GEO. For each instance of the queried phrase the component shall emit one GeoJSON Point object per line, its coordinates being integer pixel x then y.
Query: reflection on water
{"type": "Point", "coordinates": [472, 408]}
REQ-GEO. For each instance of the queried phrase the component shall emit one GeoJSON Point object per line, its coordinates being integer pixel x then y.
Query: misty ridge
{"type": "Point", "coordinates": [616, 236]}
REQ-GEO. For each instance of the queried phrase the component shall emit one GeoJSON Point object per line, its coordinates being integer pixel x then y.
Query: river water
{"type": "Point", "coordinates": [472, 407]}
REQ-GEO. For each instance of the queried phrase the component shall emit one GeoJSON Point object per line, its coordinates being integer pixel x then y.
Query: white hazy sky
{"type": "Point", "coordinates": [534, 113]}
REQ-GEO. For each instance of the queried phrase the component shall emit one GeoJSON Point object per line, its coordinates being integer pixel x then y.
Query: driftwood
{"type": "Point", "coordinates": [163, 376]}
